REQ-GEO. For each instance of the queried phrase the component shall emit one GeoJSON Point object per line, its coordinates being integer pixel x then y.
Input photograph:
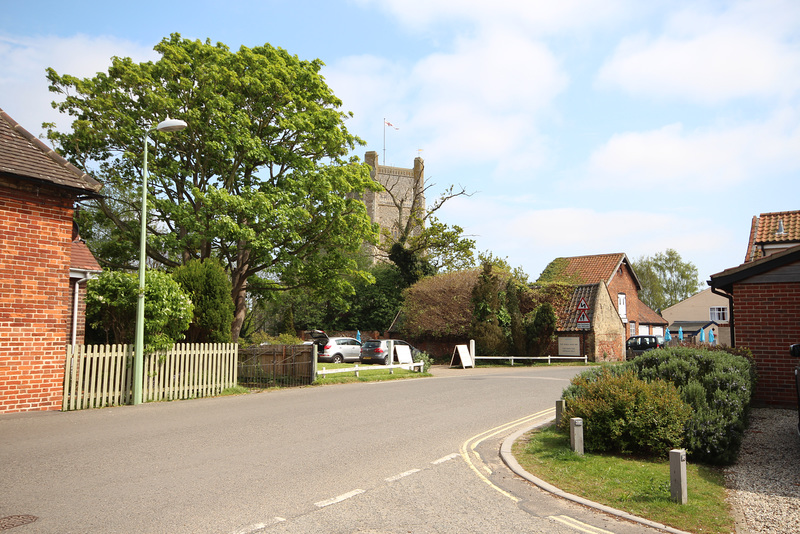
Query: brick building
{"type": "Point", "coordinates": [764, 317]}
{"type": "Point", "coordinates": [38, 191]}
{"type": "Point", "coordinates": [615, 271]}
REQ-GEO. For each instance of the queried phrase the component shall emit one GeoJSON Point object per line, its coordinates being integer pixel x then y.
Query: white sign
{"type": "Point", "coordinates": [403, 353]}
{"type": "Point", "coordinates": [462, 351]}
{"type": "Point", "coordinates": [569, 346]}
{"type": "Point", "coordinates": [583, 320]}
{"type": "Point", "coordinates": [582, 304]}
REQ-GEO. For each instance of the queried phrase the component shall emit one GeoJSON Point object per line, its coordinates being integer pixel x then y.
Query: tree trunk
{"type": "Point", "coordinates": [239, 291]}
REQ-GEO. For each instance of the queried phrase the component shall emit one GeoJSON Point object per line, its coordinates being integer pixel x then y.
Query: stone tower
{"type": "Point", "coordinates": [405, 192]}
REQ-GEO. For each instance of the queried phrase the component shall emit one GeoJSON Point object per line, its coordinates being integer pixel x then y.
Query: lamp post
{"type": "Point", "coordinates": [168, 125]}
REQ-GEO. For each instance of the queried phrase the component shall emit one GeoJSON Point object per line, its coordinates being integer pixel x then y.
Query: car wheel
{"type": "Point", "coordinates": [337, 358]}
{"type": "Point", "coordinates": [385, 360]}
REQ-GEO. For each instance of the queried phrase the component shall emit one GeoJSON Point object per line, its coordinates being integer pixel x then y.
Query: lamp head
{"type": "Point", "coordinates": [171, 125]}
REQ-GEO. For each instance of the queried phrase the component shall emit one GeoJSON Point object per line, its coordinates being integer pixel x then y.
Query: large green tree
{"type": "Point", "coordinates": [260, 178]}
{"type": "Point", "coordinates": [666, 279]}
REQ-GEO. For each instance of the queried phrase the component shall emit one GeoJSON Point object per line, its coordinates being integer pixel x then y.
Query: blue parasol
{"type": "Point", "coordinates": [667, 336]}
{"type": "Point", "coordinates": [711, 337]}
{"type": "Point", "coordinates": [702, 336]}
{"type": "Point", "coordinates": [680, 333]}
{"type": "Point", "coordinates": [358, 336]}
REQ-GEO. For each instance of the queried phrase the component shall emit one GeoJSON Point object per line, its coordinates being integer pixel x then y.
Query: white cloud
{"type": "Point", "coordinates": [712, 57]}
{"type": "Point", "coordinates": [23, 60]}
{"type": "Point", "coordinates": [534, 15]}
{"type": "Point", "coordinates": [700, 159]}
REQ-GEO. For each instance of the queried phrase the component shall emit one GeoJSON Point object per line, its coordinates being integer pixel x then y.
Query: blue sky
{"type": "Point", "coordinates": [582, 127]}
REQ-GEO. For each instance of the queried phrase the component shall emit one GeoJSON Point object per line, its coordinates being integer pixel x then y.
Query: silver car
{"type": "Point", "coordinates": [336, 349]}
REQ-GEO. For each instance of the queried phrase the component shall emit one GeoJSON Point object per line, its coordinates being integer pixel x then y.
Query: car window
{"type": "Point", "coordinates": [371, 344]}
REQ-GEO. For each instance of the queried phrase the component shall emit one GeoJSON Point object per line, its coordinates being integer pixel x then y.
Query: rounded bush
{"type": "Point", "coordinates": [622, 413]}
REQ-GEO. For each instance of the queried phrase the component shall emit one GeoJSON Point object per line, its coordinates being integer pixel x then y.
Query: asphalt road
{"type": "Point", "coordinates": [401, 456]}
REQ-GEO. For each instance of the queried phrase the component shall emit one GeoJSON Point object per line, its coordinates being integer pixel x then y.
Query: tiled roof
{"type": "Point", "coordinates": [594, 269]}
{"type": "Point", "coordinates": [82, 258]}
{"type": "Point", "coordinates": [23, 155]}
{"type": "Point", "coordinates": [772, 229]}
{"type": "Point", "coordinates": [568, 313]}
{"type": "Point", "coordinates": [648, 316]}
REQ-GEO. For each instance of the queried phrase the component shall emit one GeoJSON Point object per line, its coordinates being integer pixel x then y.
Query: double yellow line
{"type": "Point", "coordinates": [474, 460]}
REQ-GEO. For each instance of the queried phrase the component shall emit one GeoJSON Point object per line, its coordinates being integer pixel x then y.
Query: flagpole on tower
{"type": "Point", "coordinates": [384, 140]}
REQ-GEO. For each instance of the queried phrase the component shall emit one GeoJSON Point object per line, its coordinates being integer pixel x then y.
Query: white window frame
{"type": "Point", "coordinates": [633, 328]}
{"type": "Point", "coordinates": [718, 314]}
{"type": "Point", "coordinates": [622, 306]}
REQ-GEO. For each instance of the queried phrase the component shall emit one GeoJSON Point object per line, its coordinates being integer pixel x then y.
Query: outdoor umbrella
{"type": "Point", "coordinates": [702, 336]}
{"type": "Point", "coordinates": [667, 336]}
{"type": "Point", "coordinates": [680, 333]}
{"type": "Point", "coordinates": [711, 336]}
{"type": "Point", "coordinates": [358, 336]}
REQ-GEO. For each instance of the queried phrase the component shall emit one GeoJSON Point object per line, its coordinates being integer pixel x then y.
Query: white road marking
{"type": "Point", "coordinates": [445, 459]}
{"type": "Point", "coordinates": [401, 475]}
{"type": "Point", "coordinates": [340, 498]}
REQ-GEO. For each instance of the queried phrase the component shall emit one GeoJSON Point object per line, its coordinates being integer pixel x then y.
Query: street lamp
{"type": "Point", "coordinates": [169, 125]}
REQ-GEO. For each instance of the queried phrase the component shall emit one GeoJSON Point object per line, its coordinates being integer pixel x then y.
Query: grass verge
{"type": "Point", "coordinates": [639, 486]}
{"type": "Point", "coordinates": [365, 374]}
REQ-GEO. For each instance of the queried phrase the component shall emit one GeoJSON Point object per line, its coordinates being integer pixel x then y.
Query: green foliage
{"type": "Point", "coordinates": [207, 284]}
{"type": "Point", "coordinates": [556, 272]}
{"type": "Point", "coordinates": [622, 413]}
{"type": "Point", "coordinates": [666, 279]}
{"type": "Point", "coordinates": [373, 306]}
{"type": "Point", "coordinates": [540, 328]}
{"type": "Point", "coordinates": [517, 337]}
{"type": "Point", "coordinates": [719, 387]}
{"type": "Point", "coordinates": [426, 360]}
{"type": "Point", "coordinates": [262, 338]}
{"type": "Point", "coordinates": [411, 265]}
{"type": "Point", "coordinates": [260, 178]}
{"type": "Point", "coordinates": [439, 307]}
{"type": "Point", "coordinates": [489, 314]}
{"type": "Point", "coordinates": [716, 384]}
{"type": "Point", "coordinates": [111, 301]}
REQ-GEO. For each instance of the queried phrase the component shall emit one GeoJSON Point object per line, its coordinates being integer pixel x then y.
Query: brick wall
{"type": "Point", "coordinates": [623, 283]}
{"type": "Point", "coordinates": [767, 321]}
{"type": "Point", "coordinates": [34, 298]}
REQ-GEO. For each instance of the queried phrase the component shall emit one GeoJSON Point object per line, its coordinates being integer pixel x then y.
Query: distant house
{"type": "Point", "coordinates": [41, 265]}
{"type": "Point", "coordinates": [615, 271]}
{"type": "Point", "coordinates": [706, 311]}
{"type": "Point", "coordinates": [764, 317]}
{"type": "Point", "coordinates": [771, 233]}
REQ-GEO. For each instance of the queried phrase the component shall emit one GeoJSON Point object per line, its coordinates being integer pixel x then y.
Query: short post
{"type": "Point", "coordinates": [677, 476]}
{"type": "Point", "coordinates": [356, 370]}
{"type": "Point", "coordinates": [472, 350]}
{"type": "Point", "coordinates": [576, 435]}
{"type": "Point", "coordinates": [559, 410]}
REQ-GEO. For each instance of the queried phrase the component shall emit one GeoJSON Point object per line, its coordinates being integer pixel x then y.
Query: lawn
{"type": "Point", "coordinates": [639, 486]}
{"type": "Point", "coordinates": [365, 374]}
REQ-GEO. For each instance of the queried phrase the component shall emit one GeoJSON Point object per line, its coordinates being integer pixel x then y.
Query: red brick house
{"type": "Point", "coordinates": [763, 293]}
{"type": "Point", "coordinates": [38, 191]}
{"type": "Point", "coordinates": [615, 271]}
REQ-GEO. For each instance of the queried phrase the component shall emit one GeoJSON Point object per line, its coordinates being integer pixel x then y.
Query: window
{"type": "Point", "coordinates": [633, 328]}
{"type": "Point", "coordinates": [719, 314]}
{"type": "Point", "coordinates": [621, 306]}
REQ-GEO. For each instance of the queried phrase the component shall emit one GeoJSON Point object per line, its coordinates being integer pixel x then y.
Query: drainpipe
{"type": "Point", "coordinates": [730, 311]}
{"type": "Point", "coordinates": [75, 295]}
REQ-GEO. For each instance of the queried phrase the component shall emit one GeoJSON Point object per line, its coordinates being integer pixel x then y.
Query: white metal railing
{"type": "Point", "coordinates": [548, 358]}
{"type": "Point", "coordinates": [356, 369]}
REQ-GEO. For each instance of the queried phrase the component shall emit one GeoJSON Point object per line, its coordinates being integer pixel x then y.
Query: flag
{"type": "Point", "coordinates": [390, 124]}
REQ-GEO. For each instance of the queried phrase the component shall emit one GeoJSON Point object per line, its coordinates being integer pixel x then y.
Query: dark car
{"type": "Point", "coordinates": [637, 345]}
{"type": "Point", "coordinates": [377, 350]}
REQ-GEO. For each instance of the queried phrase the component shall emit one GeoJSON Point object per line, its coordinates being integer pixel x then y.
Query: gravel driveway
{"type": "Point", "coordinates": [765, 481]}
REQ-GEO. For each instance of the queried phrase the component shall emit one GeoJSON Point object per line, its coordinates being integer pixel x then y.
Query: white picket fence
{"type": "Point", "coordinates": [102, 375]}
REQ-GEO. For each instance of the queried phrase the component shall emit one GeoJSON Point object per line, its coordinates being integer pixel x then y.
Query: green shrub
{"type": "Point", "coordinates": [426, 360]}
{"type": "Point", "coordinates": [625, 414]}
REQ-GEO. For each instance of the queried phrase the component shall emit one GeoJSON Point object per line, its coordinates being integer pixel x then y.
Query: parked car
{"type": "Point", "coordinates": [377, 350]}
{"type": "Point", "coordinates": [336, 349]}
{"type": "Point", "coordinates": [636, 345]}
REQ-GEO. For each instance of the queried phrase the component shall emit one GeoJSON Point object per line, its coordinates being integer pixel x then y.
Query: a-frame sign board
{"type": "Point", "coordinates": [464, 357]}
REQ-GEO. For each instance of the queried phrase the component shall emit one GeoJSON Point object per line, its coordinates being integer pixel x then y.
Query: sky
{"type": "Point", "coordinates": [579, 126]}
